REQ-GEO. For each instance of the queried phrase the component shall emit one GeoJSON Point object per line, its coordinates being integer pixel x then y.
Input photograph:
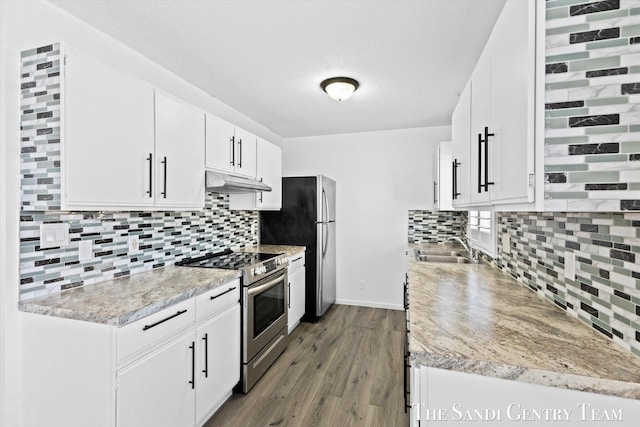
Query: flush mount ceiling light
{"type": "Point", "coordinates": [339, 88]}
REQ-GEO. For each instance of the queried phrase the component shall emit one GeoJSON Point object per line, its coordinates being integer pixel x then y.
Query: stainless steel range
{"type": "Point", "coordinates": [264, 306]}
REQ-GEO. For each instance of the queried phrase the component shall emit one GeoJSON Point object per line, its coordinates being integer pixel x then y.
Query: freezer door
{"type": "Point", "coordinates": [326, 267]}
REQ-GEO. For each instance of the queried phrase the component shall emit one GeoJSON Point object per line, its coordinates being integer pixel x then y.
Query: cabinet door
{"type": "Point", "coordinates": [443, 184]}
{"type": "Point", "coordinates": [460, 148]}
{"type": "Point", "coordinates": [296, 298]}
{"type": "Point", "coordinates": [218, 368]}
{"type": "Point", "coordinates": [270, 172]}
{"type": "Point", "coordinates": [512, 103]}
{"type": "Point", "coordinates": [179, 159]}
{"type": "Point", "coordinates": [108, 137]}
{"type": "Point", "coordinates": [480, 164]}
{"type": "Point", "coordinates": [158, 390]}
{"type": "Point", "coordinates": [246, 153]}
{"type": "Point", "coordinates": [219, 144]}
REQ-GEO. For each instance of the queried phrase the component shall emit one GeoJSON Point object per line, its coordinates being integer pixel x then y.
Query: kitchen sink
{"type": "Point", "coordinates": [443, 256]}
{"type": "Point", "coordinates": [438, 252]}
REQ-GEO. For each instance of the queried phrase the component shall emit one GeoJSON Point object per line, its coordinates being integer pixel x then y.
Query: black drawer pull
{"type": "Point", "coordinates": [225, 292]}
{"type": "Point", "coordinates": [163, 320]}
{"type": "Point", "coordinates": [297, 259]}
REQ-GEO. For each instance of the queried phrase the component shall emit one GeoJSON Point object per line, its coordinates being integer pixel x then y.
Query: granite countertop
{"type": "Point", "coordinates": [124, 300]}
{"type": "Point", "coordinates": [288, 250]}
{"type": "Point", "coordinates": [474, 318]}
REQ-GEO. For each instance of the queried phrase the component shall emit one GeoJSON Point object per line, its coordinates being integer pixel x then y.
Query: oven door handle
{"type": "Point", "coordinates": [265, 286]}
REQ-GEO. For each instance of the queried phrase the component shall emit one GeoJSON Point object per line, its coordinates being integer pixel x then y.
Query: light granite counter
{"type": "Point", "coordinates": [124, 300]}
{"type": "Point", "coordinates": [476, 319]}
{"type": "Point", "coordinates": [288, 250]}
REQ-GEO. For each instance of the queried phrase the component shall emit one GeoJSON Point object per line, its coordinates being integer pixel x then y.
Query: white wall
{"type": "Point", "coordinates": [25, 25]}
{"type": "Point", "coordinates": [380, 176]}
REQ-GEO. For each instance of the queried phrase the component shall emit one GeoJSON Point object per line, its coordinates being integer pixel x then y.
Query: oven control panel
{"type": "Point", "coordinates": [268, 266]}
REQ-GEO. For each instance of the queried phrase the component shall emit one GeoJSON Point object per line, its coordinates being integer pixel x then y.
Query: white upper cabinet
{"type": "Point", "coordinates": [179, 154]}
{"type": "Point", "coordinates": [108, 136]}
{"type": "Point", "coordinates": [442, 177]}
{"type": "Point", "coordinates": [499, 156]}
{"type": "Point", "coordinates": [246, 153]}
{"type": "Point", "coordinates": [460, 149]}
{"type": "Point", "coordinates": [220, 146]}
{"type": "Point", "coordinates": [123, 149]}
{"type": "Point", "coordinates": [269, 171]}
{"type": "Point", "coordinates": [229, 148]}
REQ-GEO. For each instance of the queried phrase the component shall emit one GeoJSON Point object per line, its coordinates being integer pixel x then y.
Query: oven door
{"type": "Point", "coordinates": [265, 312]}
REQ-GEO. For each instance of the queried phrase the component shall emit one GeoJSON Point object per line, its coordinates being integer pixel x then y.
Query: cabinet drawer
{"type": "Point", "coordinates": [150, 330]}
{"type": "Point", "coordinates": [217, 299]}
{"type": "Point", "coordinates": [296, 262]}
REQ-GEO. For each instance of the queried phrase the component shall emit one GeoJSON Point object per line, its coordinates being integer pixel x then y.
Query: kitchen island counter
{"type": "Point", "coordinates": [475, 319]}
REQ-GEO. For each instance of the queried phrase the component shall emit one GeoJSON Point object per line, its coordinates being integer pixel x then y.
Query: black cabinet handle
{"type": "Point", "coordinates": [435, 192]}
{"type": "Point", "coordinates": [164, 162]}
{"type": "Point", "coordinates": [150, 159]}
{"type": "Point", "coordinates": [297, 259]}
{"type": "Point", "coordinates": [225, 292]}
{"type": "Point", "coordinates": [486, 159]}
{"type": "Point", "coordinates": [232, 152]}
{"type": "Point", "coordinates": [206, 355]}
{"type": "Point", "coordinates": [289, 297]}
{"type": "Point", "coordinates": [484, 186]}
{"type": "Point", "coordinates": [455, 192]}
{"type": "Point", "coordinates": [163, 320]}
{"type": "Point", "coordinates": [193, 365]}
{"type": "Point", "coordinates": [240, 156]}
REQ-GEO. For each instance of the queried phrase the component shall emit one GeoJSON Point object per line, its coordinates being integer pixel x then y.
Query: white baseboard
{"type": "Point", "coordinates": [370, 304]}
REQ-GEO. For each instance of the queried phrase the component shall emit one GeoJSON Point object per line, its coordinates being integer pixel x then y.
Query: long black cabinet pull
{"type": "Point", "coordinates": [486, 159]}
{"type": "Point", "coordinates": [456, 164]}
{"type": "Point", "coordinates": [150, 159]}
{"type": "Point", "coordinates": [193, 365]}
{"type": "Point", "coordinates": [240, 155]}
{"type": "Point", "coordinates": [225, 292]}
{"type": "Point", "coordinates": [484, 141]}
{"type": "Point", "coordinates": [435, 192]}
{"type": "Point", "coordinates": [289, 297]}
{"type": "Point", "coordinates": [233, 151]}
{"type": "Point", "coordinates": [297, 259]}
{"type": "Point", "coordinates": [206, 355]}
{"type": "Point", "coordinates": [163, 320]}
{"type": "Point", "coordinates": [164, 162]}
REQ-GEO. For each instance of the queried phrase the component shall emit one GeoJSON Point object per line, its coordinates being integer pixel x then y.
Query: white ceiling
{"type": "Point", "coordinates": [267, 58]}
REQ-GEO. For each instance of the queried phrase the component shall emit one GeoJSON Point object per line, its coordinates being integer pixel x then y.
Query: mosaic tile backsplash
{"type": "Point", "coordinates": [606, 291]}
{"type": "Point", "coordinates": [40, 128]}
{"type": "Point", "coordinates": [165, 237]}
{"type": "Point", "coordinates": [592, 111]}
{"type": "Point", "coordinates": [435, 227]}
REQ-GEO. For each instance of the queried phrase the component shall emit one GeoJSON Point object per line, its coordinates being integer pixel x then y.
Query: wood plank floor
{"type": "Point", "coordinates": [345, 370]}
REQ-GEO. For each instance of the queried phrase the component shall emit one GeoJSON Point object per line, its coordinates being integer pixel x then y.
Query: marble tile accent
{"type": "Point", "coordinates": [503, 330]}
{"type": "Point", "coordinates": [165, 238]}
{"type": "Point", "coordinates": [436, 226]}
{"type": "Point", "coordinates": [605, 293]}
{"type": "Point", "coordinates": [592, 75]}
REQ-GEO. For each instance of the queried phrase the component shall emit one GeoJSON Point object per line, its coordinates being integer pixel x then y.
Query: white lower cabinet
{"type": "Point", "coordinates": [218, 361]}
{"type": "Point", "coordinates": [173, 368]}
{"type": "Point", "coordinates": [441, 397]}
{"type": "Point", "coordinates": [155, 391]}
{"type": "Point", "coordinates": [296, 275]}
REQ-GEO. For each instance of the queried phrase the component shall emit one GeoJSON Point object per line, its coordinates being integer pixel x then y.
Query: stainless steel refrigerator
{"type": "Point", "coordinates": [308, 218]}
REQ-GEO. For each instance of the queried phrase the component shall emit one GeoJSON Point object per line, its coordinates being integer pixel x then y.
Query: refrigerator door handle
{"type": "Point", "coordinates": [325, 239]}
{"type": "Point", "coordinates": [325, 207]}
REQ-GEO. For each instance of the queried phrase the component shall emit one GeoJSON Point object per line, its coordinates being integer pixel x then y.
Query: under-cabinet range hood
{"type": "Point", "coordinates": [217, 182]}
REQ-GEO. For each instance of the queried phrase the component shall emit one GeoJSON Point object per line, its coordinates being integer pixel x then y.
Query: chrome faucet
{"type": "Point", "coordinates": [470, 251]}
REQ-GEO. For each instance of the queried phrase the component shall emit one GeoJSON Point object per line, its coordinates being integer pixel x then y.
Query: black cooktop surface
{"type": "Point", "coordinates": [227, 260]}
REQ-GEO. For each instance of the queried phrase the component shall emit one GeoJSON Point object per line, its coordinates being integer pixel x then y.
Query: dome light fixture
{"type": "Point", "coordinates": [339, 88]}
